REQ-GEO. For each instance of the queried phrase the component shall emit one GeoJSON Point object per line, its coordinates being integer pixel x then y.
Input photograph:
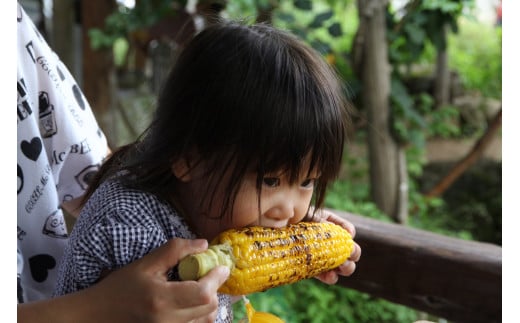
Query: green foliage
{"type": "Point", "coordinates": [99, 39]}
{"type": "Point", "coordinates": [303, 4]}
{"type": "Point", "coordinates": [120, 49]}
{"type": "Point", "coordinates": [415, 161]}
{"type": "Point", "coordinates": [327, 27]}
{"type": "Point", "coordinates": [476, 54]}
{"type": "Point", "coordinates": [408, 123]}
{"type": "Point", "coordinates": [471, 208]}
{"type": "Point", "coordinates": [353, 197]}
{"type": "Point", "coordinates": [415, 119]}
{"type": "Point", "coordinates": [312, 301]}
{"type": "Point", "coordinates": [420, 23]}
{"type": "Point", "coordinates": [442, 122]}
{"type": "Point", "coordinates": [412, 35]}
{"type": "Point", "coordinates": [244, 9]}
{"type": "Point", "coordinates": [126, 20]}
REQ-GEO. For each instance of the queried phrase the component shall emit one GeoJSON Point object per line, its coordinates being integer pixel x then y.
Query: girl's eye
{"type": "Point", "coordinates": [271, 181]}
{"type": "Point", "coordinates": [308, 183]}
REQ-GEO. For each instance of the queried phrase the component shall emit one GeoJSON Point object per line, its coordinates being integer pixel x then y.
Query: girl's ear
{"type": "Point", "coordinates": [181, 169]}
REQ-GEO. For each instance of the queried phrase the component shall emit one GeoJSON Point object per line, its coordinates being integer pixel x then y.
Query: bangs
{"type": "Point", "coordinates": [282, 109]}
{"type": "Point", "coordinates": [299, 115]}
{"type": "Point", "coordinates": [299, 134]}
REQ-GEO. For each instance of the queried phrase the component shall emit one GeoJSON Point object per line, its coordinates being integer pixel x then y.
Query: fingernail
{"type": "Point", "coordinates": [225, 270]}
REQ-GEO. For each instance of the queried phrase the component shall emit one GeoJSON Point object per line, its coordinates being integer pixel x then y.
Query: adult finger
{"type": "Point", "coordinates": [215, 278]}
{"type": "Point", "coordinates": [199, 300]}
{"type": "Point", "coordinates": [201, 292]}
{"type": "Point", "coordinates": [168, 255]}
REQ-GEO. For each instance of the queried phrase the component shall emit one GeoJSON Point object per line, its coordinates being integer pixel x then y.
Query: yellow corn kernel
{"type": "Point", "coordinates": [261, 258]}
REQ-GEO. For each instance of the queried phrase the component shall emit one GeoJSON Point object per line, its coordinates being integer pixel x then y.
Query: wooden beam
{"type": "Point", "coordinates": [98, 67]}
{"type": "Point", "coordinates": [454, 279]}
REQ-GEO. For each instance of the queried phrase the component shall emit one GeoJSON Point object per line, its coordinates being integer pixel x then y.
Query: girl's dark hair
{"type": "Point", "coordinates": [244, 98]}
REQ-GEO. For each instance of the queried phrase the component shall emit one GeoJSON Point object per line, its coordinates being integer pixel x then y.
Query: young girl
{"type": "Point", "coordinates": [249, 130]}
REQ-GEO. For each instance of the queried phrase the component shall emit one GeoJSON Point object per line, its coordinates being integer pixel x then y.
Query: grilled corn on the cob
{"type": "Point", "coordinates": [261, 258]}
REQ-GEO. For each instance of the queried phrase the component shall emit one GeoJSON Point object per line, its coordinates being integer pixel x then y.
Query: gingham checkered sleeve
{"type": "Point", "coordinates": [117, 226]}
{"type": "Point", "coordinates": [110, 246]}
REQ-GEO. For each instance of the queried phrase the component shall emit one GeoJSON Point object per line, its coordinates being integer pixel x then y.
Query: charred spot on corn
{"type": "Point", "coordinates": [262, 258]}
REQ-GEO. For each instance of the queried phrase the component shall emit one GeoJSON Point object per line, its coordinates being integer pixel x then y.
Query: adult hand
{"type": "Point", "coordinates": [140, 291]}
{"type": "Point", "coordinates": [349, 266]}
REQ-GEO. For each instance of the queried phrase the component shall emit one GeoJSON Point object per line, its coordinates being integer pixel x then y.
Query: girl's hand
{"type": "Point", "coordinates": [349, 266]}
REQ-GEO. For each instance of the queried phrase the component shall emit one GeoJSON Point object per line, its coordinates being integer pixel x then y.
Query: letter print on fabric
{"type": "Point", "coordinates": [59, 147]}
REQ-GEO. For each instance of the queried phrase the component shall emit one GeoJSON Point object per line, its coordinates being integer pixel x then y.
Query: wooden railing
{"type": "Point", "coordinates": [454, 279]}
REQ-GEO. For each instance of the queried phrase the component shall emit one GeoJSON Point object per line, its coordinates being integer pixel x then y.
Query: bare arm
{"type": "Point", "coordinates": [138, 292]}
{"type": "Point", "coordinates": [69, 308]}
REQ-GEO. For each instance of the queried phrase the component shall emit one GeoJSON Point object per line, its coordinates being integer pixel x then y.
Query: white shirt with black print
{"type": "Point", "coordinates": [117, 226]}
{"type": "Point", "coordinates": [59, 147]}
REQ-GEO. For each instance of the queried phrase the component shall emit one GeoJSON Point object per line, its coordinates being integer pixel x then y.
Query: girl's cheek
{"type": "Point", "coordinates": [245, 211]}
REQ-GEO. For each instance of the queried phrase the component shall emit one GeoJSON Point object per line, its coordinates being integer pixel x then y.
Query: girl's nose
{"type": "Point", "coordinates": [283, 210]}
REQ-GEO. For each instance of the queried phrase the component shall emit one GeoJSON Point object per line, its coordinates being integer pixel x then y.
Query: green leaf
{"type": "Point", "coordinates": [301, 33]}
{"type": "Point", "coordinates": [400, 95]}
{"type": "Point", "coordinates": [335, 30]}
{"type": "Point", "coordinates": [321, 46]}
{"type": "Point", "coordinates": [303, 4]}
{"type": "Point", "coordinates": [452, 7]}
{"type": "Point", "coordinates": [287, 17]}
{"type": "Point", "coordinates": [100, 40]}
{"type": "Point", "coordinates": [419, 18]}
{"type": "Point", "coordinates": [415, 33]}
{"type": "Point", "coordinates": [320, 19]}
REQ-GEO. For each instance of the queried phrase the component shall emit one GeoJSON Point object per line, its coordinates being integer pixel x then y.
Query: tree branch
{"type": "Point", "coordinates": [473, 156]}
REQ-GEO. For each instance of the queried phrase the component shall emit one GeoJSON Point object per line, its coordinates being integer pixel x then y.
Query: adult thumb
{"type": "Point", "coordinates": [168, 255]}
